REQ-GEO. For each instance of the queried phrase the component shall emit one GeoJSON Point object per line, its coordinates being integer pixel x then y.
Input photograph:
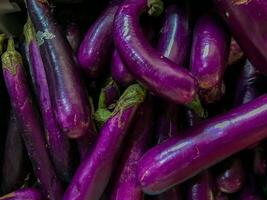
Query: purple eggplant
{"type": "Point", "coordinates": [126, 183]}
{"type": "Point", "coordinates": [149, 67]}
{"type": "Point", "coordinates": [200, 187]}
{"type": "Point", "coordinates": [235, 54]}
{"type": "Point", "coordinates": [58, 143]}
{"type": "Point", "coordinates": [23, 194]}
{"type": "Point", "coordinates": [15, 163]}
{"type": "Point", "coordinates": [231, 177]}
{"type": "Point", "coordinates": [97, 44]}
{"type": "Point", "coordinates": [74, 36]}
{"type": "Point", "coordinates": [211, 141]}
{"type": "Point", "coordinates": [68, 96]}
{"type": "Point", "coordinates": [107, 101]}
{"type": "Point", "coordinates": [33, 134]}
{"type": "Point", "coordinates": [247, 20]}
{"type": "Point", "coordinates": [119, 72]}
{"type": "Point", "coordinates": [209, 54]}
{"type": "Point", "coordinates": [92, 176]}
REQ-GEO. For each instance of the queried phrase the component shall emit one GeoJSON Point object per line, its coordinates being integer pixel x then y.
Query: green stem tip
{"type": "Point", "coordinates": [156, 7]}
{"type": "Point", "coordinates": [196, 106]}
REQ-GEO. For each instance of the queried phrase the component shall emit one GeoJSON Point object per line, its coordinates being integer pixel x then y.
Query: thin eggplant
{"type": "Point", "coordinates": [236, 54]}
{"type": "Point", "coordinates": [58, 144]}
{"type": "Point", "coordinates": [247, 20]}
{"type": "Point", "coordinates": [149, 67]}
{"type": "Point", "coordinates": [231, 177]}
{"type": "Point", "coordinates": [93, 174]}
{"type": "Point", "coordinates": [67, 93]}
{"type": "Point", "coordinates": [126, 183]}
{"type": "Point", "coordinates": [15, 162]}
{"type": "Point", "coordinates": [23, 194]}
{"type": "Point", "coordinates": [119, 71]}
{"type": "Point", "coordinates": [74, 36]}
{"type": "Point", "coordinates": [97, 44]}
{"type": "Point", "coordinates": [200, 147]}
{"type": "Point", "coordinates": [33, 134]}
{"type": "Point", "coordinates": [209, 56]}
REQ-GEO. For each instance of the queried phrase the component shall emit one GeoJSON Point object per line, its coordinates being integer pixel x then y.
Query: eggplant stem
{"type": "Point", "coordinates": [196, 106]}
{"type": "Point", "coordinates": [156, 7]}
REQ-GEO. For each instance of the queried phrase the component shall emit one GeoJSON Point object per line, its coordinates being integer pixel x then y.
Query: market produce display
{"type": "Point", "coordinates": [141, 100]}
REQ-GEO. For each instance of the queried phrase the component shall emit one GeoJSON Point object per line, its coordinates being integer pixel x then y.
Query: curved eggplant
{"type": "Point", "coordinates": [33, 134]}
{"type": "Point", "coordinates": [93, 174]}
{"type": "Point", "coordinates": [209, 54]}
{"type": "Point", "coordinates": [181, 157]}
{"type": "Point", "coordinates": [247, 20]}
{"type": "Point", "coordinates": [68, 96]}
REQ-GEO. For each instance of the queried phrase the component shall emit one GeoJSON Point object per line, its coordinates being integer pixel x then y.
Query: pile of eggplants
{"type": "Point", "coordinates": [144, 99]}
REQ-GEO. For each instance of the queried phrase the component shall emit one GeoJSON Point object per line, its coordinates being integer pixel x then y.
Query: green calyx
{"type": "Point", "coordinates": [133, 95]}
{"type": "Point", "coordinates": [155, 7]}
{"type": "Point", "coordinates": [28, 31]}
{"type": "Point", "coordinates": [102, 115]}
{"type": "Point", "coordinates": [11, 58]}
{"type": "Point", "coordinates": [196, 106]}
{"type": "Point", "coordinates": [2, 39]}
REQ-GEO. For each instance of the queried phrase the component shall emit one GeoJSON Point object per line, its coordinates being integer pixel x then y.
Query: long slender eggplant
{"type": "Point", "coordinates": [235, 54]}
{"type": "Point", "coordinates": [93, 174]}
{"type": "Point", "coordinates": [181, 157]}
{"type": "Point", "coordinates": [58, 143]}
{"type": "Point", "coordinates": [68, 96]}
{"type": "Point", "coordinates": [107, 101]}
{"type": "Point", "coordinates": [247, 20]}
{"type": "Point", "coordinates": [96, 46]}
{"type": "Point", "coordinates": [149, 67]}
{"type": "Point", "coordinates": [74, 36]}
{"type": "Point", "coordinates": [23, 194]}
{"type": "Point", "coordinates": [119, 71]}
{"type": "Point", "coordinates": [15, 163]}
{"type": "Point", "coordinates": [126, 183]}
{"type": "Point", "coordinates": [33, 134]}
{"type": "Point", "coordinates": [209, 56]}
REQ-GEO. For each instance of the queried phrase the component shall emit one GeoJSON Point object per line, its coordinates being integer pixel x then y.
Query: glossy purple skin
{"type": "Point", "coordinates": [97, 44]}
{"type": "Point", "coordinates": [181, 157]}
{"type": "Point", "coordinates": [23, 194]}
{"type": "Point", "coordinates": [149, 67]}
{"type": "Point", "coordinates": [119, 72]}
{"type": "Point", "coordinates": [20, 97]}
{"type": "Point", "coordinates": [247, 20]}
{"type": "Point", "coordinates": [74, 36]}
{"type": "Point", "coordinates": [200, 187]}
{"type": "Point", "coordinates": [209, 56]}
{"type": "Point", "coordinates": [232, 177]}
{"type": "Point", "coordinates": [126, 183]}
{"type": "Point", "coordinates": [58, 144]}
{"type": "Point", "coordinates": [235, 54]}
{"type": "Point", "coordinates": [175, 35]}
{"type": "Point", "coordinates": [93, 174]}
{"type": "Point", "coordinates": [68, 96]}
{"type": "Point", "coordinates": [15, 163]}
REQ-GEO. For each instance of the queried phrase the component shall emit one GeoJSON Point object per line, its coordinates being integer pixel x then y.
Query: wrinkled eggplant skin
{"type": "Point", "coordinates": [96, 47]}
{"type": "Point", "coordinates": [209, 56]}
{"type": "Point", "coordinates": [93, 174]}
{"type": "Point", "coordinates": [15, 163]}
{"type": "Point", "coordinates": [58, 144]}
{"type": "Point", "coordinates": [74, 36]}
{"type": "Point", "coordinates": [181, 157]}
{"type": "Point", "coordinates": [126, 183]}
{"type": "Point", "coordinates": [33, 134]}
{"type": "Point", "coordinates": [119, 72]}
{"type": "Point", "coordinates": [23, 194]}
{"type": "Point", "coordinates": [149, 67]}
{"type": "Point", "coordinates": [200, 187]}
{"type": "Point", "coordinates": [68, 96]}
{"type": "Point", "coordinates": [175, 35]}
{"type": "Point", "coordinates": [247, 22]}
{"type": "Point", "coordinates": [232, 176]}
